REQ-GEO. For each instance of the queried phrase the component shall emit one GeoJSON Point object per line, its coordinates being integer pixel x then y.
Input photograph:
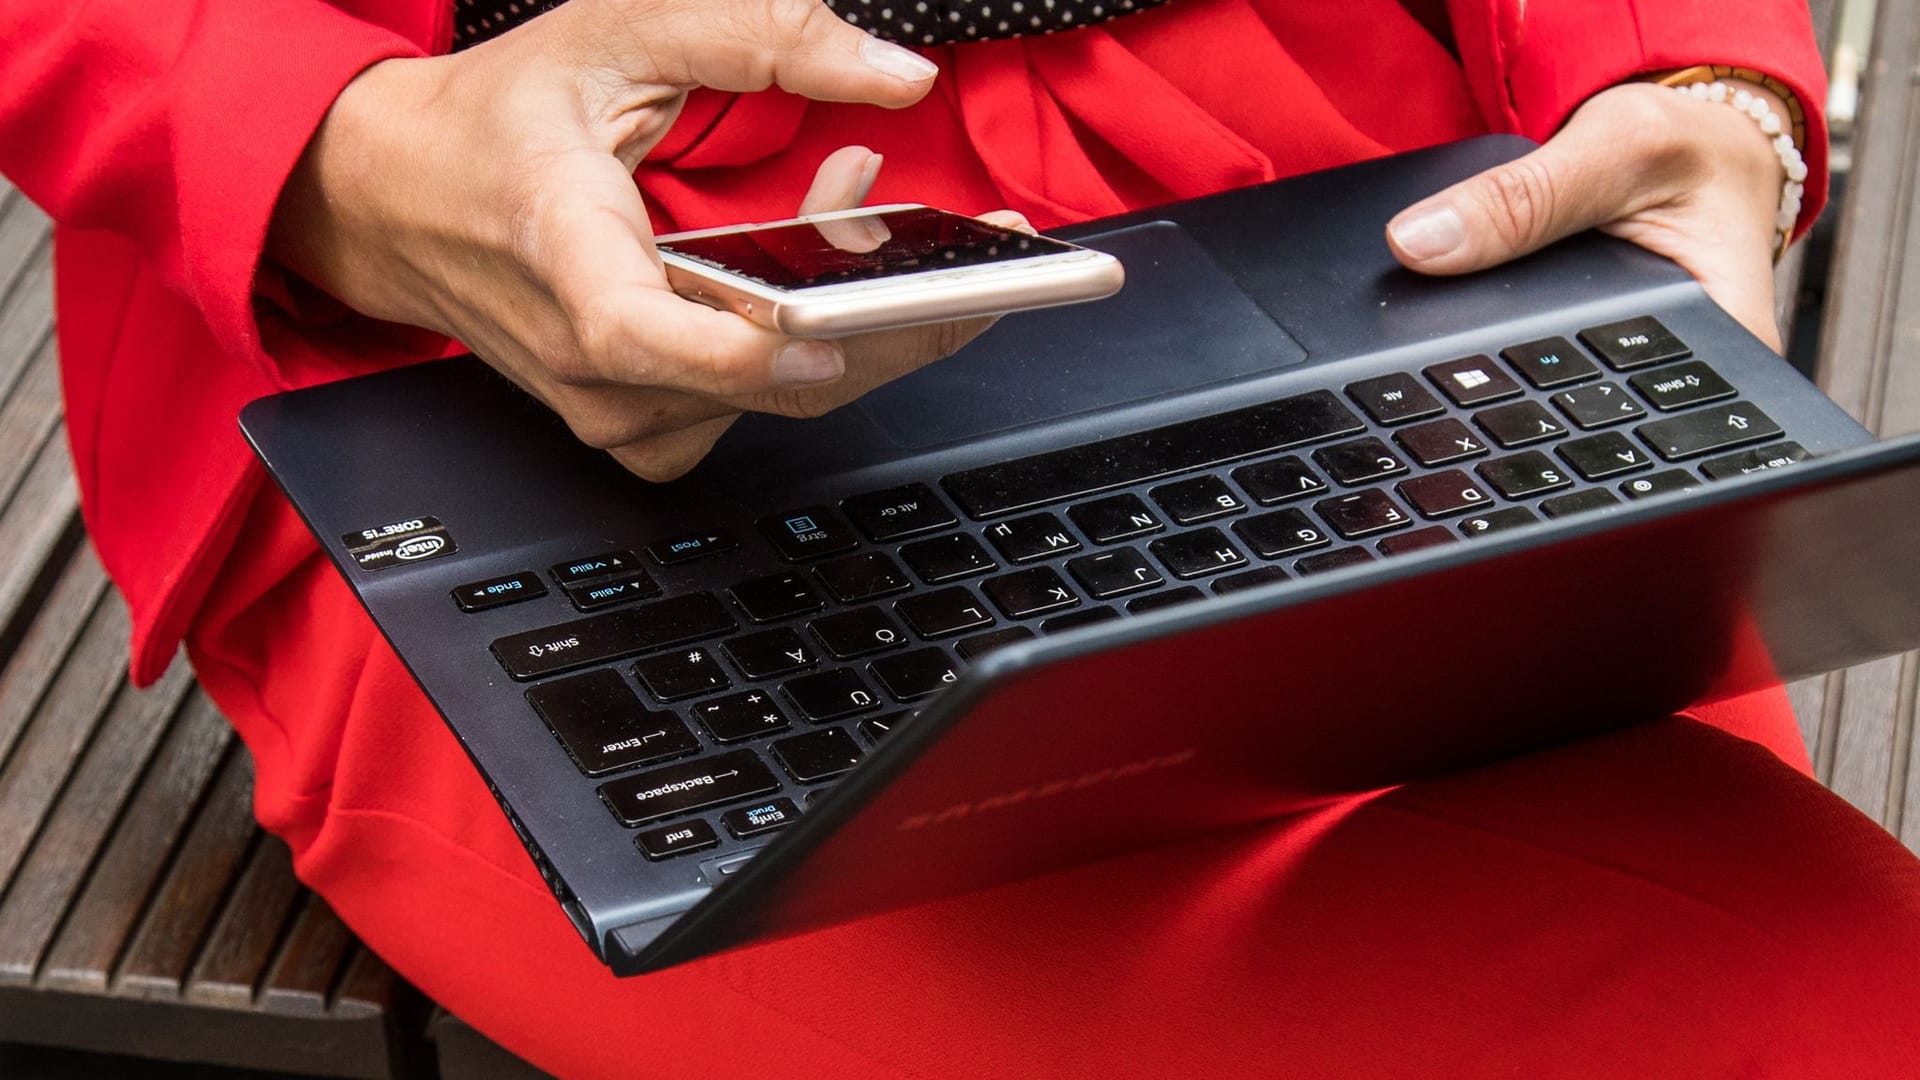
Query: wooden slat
{"type": "Point", "coordinates": [47, 752]}
{"type": "Point", "coordinates": [90, 802]}
{"type": "Point", "coordinates": [24, 232]}
{"type": "Point", "coordinates": [28, 417]}
{"type": "Point", "coordinates": [182, 914]}
{"type": "Point", "coordinates": [248, 931]}
{"type": "Point", "coordinates": [39, 523]}
{"type": "Point", "coordinates": [136, 853]}
{"type": "Point", "coordinates": [316, 950]}
{"type": "Point", "coordinates": [26, 313]}
{"type": "Point", "coordinates": [36, 660]}
{"type": "Point", "coordinates": [369, 987]}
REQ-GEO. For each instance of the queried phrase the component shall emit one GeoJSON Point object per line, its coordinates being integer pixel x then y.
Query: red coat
{"type": "Point", "coordinates": [157, 135]}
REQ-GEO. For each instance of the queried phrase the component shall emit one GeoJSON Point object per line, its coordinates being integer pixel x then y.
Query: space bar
{"type": "Point", "coordinates": [1130, 459]}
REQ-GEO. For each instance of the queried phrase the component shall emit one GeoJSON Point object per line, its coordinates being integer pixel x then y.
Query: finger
{"type": "Point", "coordinates": [1596, 170]}
{"type": "Point", "coordinates": [801, 46]}
{"type": "Point", "coordinates": [593, 248]}
{"type": "Point", "coordinates": [670, 456]}
{"type": "Point", "coordinates": [1009, 219]}
{"type": "Point", "coordinates": [842, 181]}
{"type": "Point", "coordinates": [872, 360]}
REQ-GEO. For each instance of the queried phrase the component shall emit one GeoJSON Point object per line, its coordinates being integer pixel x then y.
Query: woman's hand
{"type": "Point", "coordinates": [1693, 180]}
{"type": "Point", "coordinates": [489, 196]}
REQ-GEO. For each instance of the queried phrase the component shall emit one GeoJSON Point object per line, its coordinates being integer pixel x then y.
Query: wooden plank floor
{"type": "Point", "coordinates": [141, 909]}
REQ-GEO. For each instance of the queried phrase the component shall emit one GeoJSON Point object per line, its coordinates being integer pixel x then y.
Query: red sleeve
{"type": "Point", "coordinates": [1532, 62]}
{"type": "Point", "coordinates": [175, 124]}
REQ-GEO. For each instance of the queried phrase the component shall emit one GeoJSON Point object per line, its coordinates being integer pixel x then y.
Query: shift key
{"type": "Point", "coordinates": [688, 786]}
{"type": "Point", "coordinates": [613, 636]}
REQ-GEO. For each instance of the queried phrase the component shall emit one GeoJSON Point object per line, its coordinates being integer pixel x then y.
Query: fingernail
{"type": "Point", "coordinates": [903, 64]}
{"type": "Point", "coordinates": [1429, 234]}
{"type": "Point", "coordinates": [869, 173]}
{"type": "Point", "coordinates": [802, 363]}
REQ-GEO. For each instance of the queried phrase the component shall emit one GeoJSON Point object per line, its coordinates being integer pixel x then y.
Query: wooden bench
{"type": "Point", "coordinates": [143, 913]}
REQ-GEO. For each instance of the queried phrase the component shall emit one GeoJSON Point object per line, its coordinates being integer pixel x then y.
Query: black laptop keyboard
{"type": "Point", "coordinates": [710, 713]}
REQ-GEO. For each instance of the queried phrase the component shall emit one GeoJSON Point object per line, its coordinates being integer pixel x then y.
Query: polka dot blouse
{"type": "Point", "coordinates": [910, 22]}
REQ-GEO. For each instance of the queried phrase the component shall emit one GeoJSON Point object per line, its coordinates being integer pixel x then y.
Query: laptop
{"type": "Point", "coordinates": [1278, 523]}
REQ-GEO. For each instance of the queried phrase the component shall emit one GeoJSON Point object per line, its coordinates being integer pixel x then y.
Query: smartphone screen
{"type": "Point", "coordinates": [863, 248]}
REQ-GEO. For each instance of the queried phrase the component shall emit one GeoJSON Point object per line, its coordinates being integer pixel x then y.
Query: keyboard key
{"type": "Point", "coordinates": [762, 817]}
{"type": "Point", "coordinates": [1511, 517]}
{"type": "Point", "coordinates": [770, 652]}
{"type": "Point", "coordinates": [1758, 459]}
{"type": "Point", "coordinates": [1116, 517]}
{"type": "Point", "coordinates": [679, 838]}
{"type": "Point", "coordinates": [1085, 470]}
{"type": "Point", "coordinates": [1682, 386]}
{"type": "Point", "coordinates": [1185, 594]}
{"type": "Point", "coordinates": [1202, 498]}
{"type": "Point", "coordinates": [1601, 456]}
{"type": "Point", "coordinates": [1060, 624]}
{"type": "Point", "coordinates": [607, 592]}
{"type": "Point", "coordinates": [1332, 560]}
{"type": "Point", "coordinates": [776, 596]}
{"type": "Point", "coordinates": [1473, 380]}
{"type": "Point", "coordinates": [1270, 482]}
{"type": "Point", "coordinates": [1036, 536]}
{"type": "Point", "coordinates": [1197, 553]}
{"type": "Point", "coordinates": [1251, 579]}
{"type": "Point", "coordinates": [1550, 362]}
{"type": "Point", "coordinates": [604, 727]}
{"type": "Point", "coordinates": [1033, 591]}
{"type": "Point", "coordinates": [1598, 406]}
{"type": "Point", "coordinates": [1659, 484]}
{"type": "Point", "coordinates": [613, 636]}
{"type": "Point", "coordinates": [947, 558]}
{"type": "Point", "coordinates": [896, 513]}
{"type": "Point", "coordinates": [1519, 424]}
{"type": "Point", "coordinates": [688, 786]}
{"type": "Point", "coordinates": [1708, 430]}
{"type": "Point", "coordinates": [1363, 513]}
{"type": "Point", "coordinates": [910, 676]}
{"type": "Point", "coordinates": [859, 632]}
{"type": "Point", "coordinates": [677, 675]}
{"type": "Point", "coordinates": [800, 535]}
{"type": "Point", "coordinates": [943, 613]}
{"type": "Point", "coordinates": [1394, 399]}
{"type": "Point", "coordinates": [1444, 494]}
{"type": "Point", "coordinates": [1431, 536]}
{"type": "Point", "coordinates": [1523, 476]}
{"type": "Point", "coordinates": [876, 728]}
{"type": "Point", "coordinates": [1634, 343]}
{"type": "Point", "coordinates": [1114, 573]}
{"type": "Point", "coordinates": [861, 577]}
{"type": "Point", "coordinates": [1359, 461]}
{"type": "Point", "coordinates": [498, 592]}
{"type": "Point", "coordinates": [817, 755]}
{"type": "Point", "coordinates": [1441, 442]}
{"type": "Point", "coordinates": [684, 549]}
{"type": "Point", "coordinates": [830, 695]}
{"type": "Point", "coordinates": [979, 645]}
{"type": "Point", "coordinates": [1578, 502]}
{"type": "Point", "coordinates": [1281, 533]}
{"type": "Point", "coordinates": [593, 567]}
{"type": "Point", "coordinates": [746, 715]}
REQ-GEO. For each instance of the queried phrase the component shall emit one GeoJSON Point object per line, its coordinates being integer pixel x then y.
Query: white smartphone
{"type": "Point", "coordinates": [876, 267]}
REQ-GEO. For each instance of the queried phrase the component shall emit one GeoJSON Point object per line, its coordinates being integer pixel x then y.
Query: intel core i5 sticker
{"type": "Point", "coordinates": [399, 543]}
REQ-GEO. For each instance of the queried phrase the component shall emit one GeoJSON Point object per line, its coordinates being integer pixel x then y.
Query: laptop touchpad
{"type": "Point", "coordinates": [1180, 323]}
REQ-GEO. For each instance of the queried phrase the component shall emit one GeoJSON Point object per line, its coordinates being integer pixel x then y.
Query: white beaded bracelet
{"type": "Point", "coordinates": [1770, 124]}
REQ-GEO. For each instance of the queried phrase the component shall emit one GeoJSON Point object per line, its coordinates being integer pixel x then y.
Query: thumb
{"type": "Point", "coordinates": [745, 46]}
{"type": "Point", "coordinates": [1571, 183]}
